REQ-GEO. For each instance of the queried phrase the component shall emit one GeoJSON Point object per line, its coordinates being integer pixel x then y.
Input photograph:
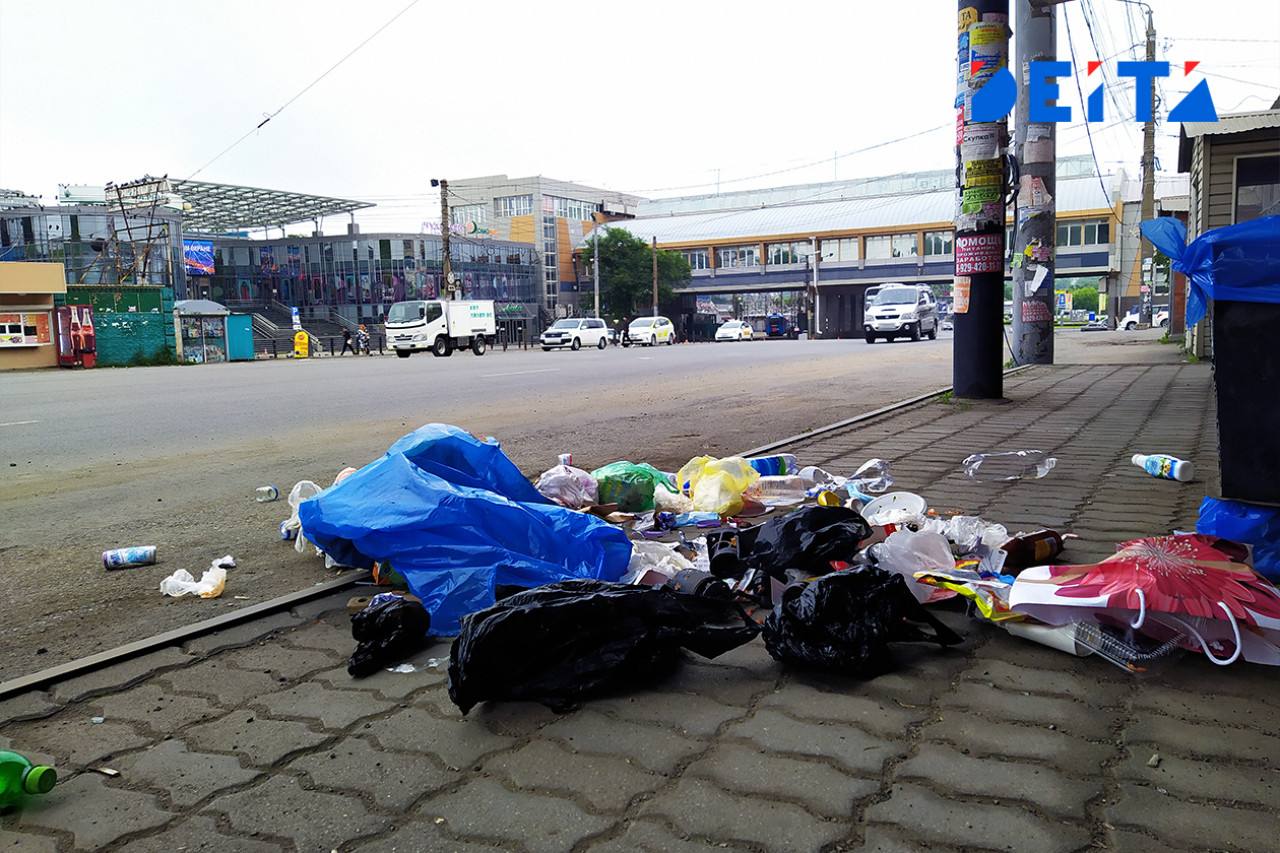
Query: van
{"type": "Point", "coordinates": [900, 310]}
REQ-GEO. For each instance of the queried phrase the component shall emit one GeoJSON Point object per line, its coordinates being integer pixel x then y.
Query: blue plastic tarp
{"type": "Point", "coordinates": [1239, 262]}
{"type": "Point", "coordinates": [456, 518]}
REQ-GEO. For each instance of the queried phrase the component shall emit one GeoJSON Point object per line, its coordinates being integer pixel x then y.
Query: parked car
{"type": "Point", "coordinates": [901, 310]}
{"type": "Point", "coordinates": [649, 331]}
{"type": "Point", "coordinates": [1159, 317]}
{"type": "Point", "coordinates": [1094, 326]}
{"type": "Point", "coordinates": [576, 332]}
{"type": "Point", "coordinates": [734, 330]}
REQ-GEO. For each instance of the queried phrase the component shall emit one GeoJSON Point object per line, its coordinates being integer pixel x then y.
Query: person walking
{"type": "Point", "coordinates": [346, 342]}
{"type": "Point", "coordinates": [362, 340]}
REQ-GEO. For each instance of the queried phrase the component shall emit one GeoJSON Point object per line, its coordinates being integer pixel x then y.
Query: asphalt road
{"type": "Point", "coordinates": [170, 456]}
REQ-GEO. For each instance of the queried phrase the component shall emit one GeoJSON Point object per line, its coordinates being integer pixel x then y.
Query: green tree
{"type": "Point", "coordinates": [626, 274]}
{"type": "Point", "coordinates": [1085, 299]}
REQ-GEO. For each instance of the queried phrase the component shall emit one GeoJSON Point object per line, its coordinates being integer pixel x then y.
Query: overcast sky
{"type": "Point", "coordinates": [656, 98]}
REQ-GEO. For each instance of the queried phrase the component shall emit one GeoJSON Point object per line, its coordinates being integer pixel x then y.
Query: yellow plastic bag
{"type": "Point", "coordinates": [716, 485]}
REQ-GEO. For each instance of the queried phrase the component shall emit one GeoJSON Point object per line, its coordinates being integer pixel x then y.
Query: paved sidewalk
{"type": "Point", "coordinates": [255, 738]}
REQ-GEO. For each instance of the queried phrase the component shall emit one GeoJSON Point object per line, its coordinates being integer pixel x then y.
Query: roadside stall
{"type": "Point", "coordinates": [208, 332]}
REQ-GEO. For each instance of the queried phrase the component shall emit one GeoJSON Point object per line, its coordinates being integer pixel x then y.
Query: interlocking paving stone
{"type": "Point", "coordinates": [393, 685]}
{"type": "Point", "coordinates": [1184, 702]}
{"type": "Point", "coordinates": [328, 634]}
{"type": "Point", "coordinates": [1069, 716]}
{"type": "Point", "coordinates": [875, 714]}
{"type": "Point", "coordinates": [1204, 780]}
{"type": "Point", "coordinates": [155, 707]}
{"type": "Point", "coordinates": [728, 685]}
{"type": "Point", "coordinates": [815, 784]}
{"type": "Point", "coordinates": [225, 685]}
{"type": "Point", "coordinates": [1200, 827]}
{"type": "Point", "coordinates": [333, 709]}
{"type": "Point", "coordinates": [937, 820]}
{"type": "Point", "coordinates": [27, 706]}
{"type": "Point", "coordinates": [316, 822]}
{"type": "Point", "coordinates": [253, 631]}
{"type": "Point", "coordinates": [258, 741]}
{"type": "Point", "coordinates": [701, 809]}
{"type": "Point", "coordinates": [422, 836]}
{"type": "Point", "coordinates": [1084, 682]}
{"type": "Point", "coordinates": [603, 782]}
{"type": "Point", "coordinates": [889, 839]}
{"type": "Point", "coordinates": [485, 809]}
{"type": "Point", "coordinates": [120, 675]}
{"type": "Point", "coordinates": [74, 740]}
{"type": "Point", "coordinates": [187, 777]}
{"type": "Point", "coordinates": [278, 660]}
{"type": "Point", "coordinates": [1043, 742]}
{"type": "Point", "coordinates": [856, 750]}
{"type": "Point", "coordinates": [1200, 739]}
{"type": "Point", "coordinates": [1003, 781]}
{"type": "Point", "coordinates": [691, 715]}
{"type": "Point", "coordinates": [1120, 841]}
{"type": "Point", "coordinates": [458, 742]}
{"type": "Point", "coordinates": [656, 748]}
{"type": "Point", "coordinates": [94, 812]}
{"type": "Point", "coordinates": [199, 835]}
{"type": "Point", "coordinates": [25, 842]}
{"type": "Point", "coordinates": [644, 836]}
{"type": "Point", "coordinates": [390, 779]}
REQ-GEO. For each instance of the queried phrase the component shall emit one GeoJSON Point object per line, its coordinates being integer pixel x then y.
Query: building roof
{"type": "Point", "coordinates": [1233, 123]}
{"type": "Point", "coordinates": [898, 212]}
{"type": "Point", "coordinates": [219, 208]}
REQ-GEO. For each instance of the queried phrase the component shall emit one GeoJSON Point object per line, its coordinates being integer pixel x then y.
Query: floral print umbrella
{"type": "Point", "coordinates": [1201, 584]}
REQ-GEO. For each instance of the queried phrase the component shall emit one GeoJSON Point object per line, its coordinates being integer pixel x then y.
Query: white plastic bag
{"type": "Point", "coordinates": [301, 491]}
{"type": "Point", "coordinates": [210, 585]}
{"type": "Point", "coordinates": [568, 486]}
{"type": "Point", "coordinates": [907, 552]}
{"type": "Point", "coordinates": [654, 556]}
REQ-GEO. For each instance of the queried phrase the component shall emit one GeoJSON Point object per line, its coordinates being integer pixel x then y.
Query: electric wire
{"type": "Point", "coordinates": [1097, 168]}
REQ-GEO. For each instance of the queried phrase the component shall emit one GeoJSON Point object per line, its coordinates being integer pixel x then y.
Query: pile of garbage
{"type": "Point", "coordinates": [589, 581]}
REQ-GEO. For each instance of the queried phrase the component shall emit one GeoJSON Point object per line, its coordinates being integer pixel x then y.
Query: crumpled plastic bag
{"type": "Point", "coordinates": [807, 540]}
{"type": "Point", "coordinates": [1256, 526]}
{"type": "Point", "coordinates": [716, 485]}
{"type": "Point", "coordinates": [907, 552]}
{"type": "Point", "coordinates": [564, 642]}
{"type": "Point", "coordinates": [630, 485]}
{"type": "Point", "coordinates": [844, 622]}
{"type": "Point", "coordinates": [655, 556]}
{"type": "Point", "coordinates": [568, 486]}
{"type": "Point", "coordinates": [967, 532]}
{"type": "Point", "coordinates": [389, 629]}
{"type": "Point", "coordinates": [210, 585]}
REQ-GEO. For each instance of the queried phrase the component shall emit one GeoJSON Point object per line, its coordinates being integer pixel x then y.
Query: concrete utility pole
{"type": "Point", "coordinates": [655, 276]}
{"type": "Point", "coordinates": [978, 287]}
{"type": "Point", "coordinates": [447, 271]}
{"type": "Point", "coordinates": [595, 267]}
{"type": "Point", "coordinates": [1035, 211]}
{"type": "Point", "coordinates": [817, 293]}
{"type": "Point", "coordinates": [1148, 185]}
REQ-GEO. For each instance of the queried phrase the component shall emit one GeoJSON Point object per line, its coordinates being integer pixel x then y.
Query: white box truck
{"type": "Point", "coordinates": [440, 325]}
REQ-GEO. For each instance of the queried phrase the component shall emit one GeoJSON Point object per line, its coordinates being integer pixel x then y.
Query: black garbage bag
{"type": "Point", "coordinates": [563, 642]}
{"type": "Point", "coordinates": [807, 539]}
{"type": "Point", "coordinates": [845, 621]}
{"type": "Point", "coordinates": [390, 629]}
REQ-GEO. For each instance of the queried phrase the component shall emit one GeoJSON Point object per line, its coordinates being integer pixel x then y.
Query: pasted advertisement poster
{"type": "Point", "coordinates": [979, 253]}
{"type": "Point", "coordinates": [25, 329]}
{"type": "Point", "coordinates": [960, 294]}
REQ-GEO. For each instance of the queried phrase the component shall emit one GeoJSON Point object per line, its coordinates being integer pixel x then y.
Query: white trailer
{"type": "Point", "coordinates": [440, 325]}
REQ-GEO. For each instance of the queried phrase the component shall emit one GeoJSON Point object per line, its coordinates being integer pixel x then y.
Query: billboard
{"type": "Point", "coordinates": [198, 256]}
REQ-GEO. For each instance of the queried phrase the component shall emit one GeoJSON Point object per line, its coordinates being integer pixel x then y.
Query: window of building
{"type": "Point", "coordinates": [514, 205]}
{"type": "Point", "coordinates": [905, 246]}
{"type": "Point", "coordinates": [469, 213]}
{"type": "Point", "coordinates": [699, 259]}
{"type": "Point", "coordinates": [879, 247]}
{"type": "Point", "coordinates": [739, 256]}
{"type": "Point", "coordinates": [1091, 232]}
{"type": "Point", "coordinates": [1257, 187]}
{"type": "Point", "coordinates": [937, 243]}
{"type": "Point", "coordinates": [787, 253]}
{"type": "Point", "coordinates": [569, 208]}
{"type": "Point", "coordinates": [841, 249]}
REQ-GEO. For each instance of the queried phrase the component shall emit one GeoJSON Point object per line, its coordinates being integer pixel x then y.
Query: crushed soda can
{"type": "Point", "coordinates": [287, 532]}
{"type": "Point", "coordinates": [124, 558]}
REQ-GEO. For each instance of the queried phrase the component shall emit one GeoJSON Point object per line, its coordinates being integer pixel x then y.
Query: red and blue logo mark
{"type": "Point", "coordinates": [996, 99]}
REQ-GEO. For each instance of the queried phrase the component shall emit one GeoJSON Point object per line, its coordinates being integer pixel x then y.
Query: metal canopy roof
{"type": "Point", "coordinates": [226, 207]}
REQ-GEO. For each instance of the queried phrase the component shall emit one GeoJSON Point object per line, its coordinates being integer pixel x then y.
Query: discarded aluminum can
{"type": "Point", "coordinates": [124, 558]}
{"type": "Point", "coordinates": [287, 532]}
{"type": "Point", "coordinates": [664, 521]}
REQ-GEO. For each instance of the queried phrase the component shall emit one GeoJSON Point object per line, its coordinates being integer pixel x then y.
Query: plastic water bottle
{"type": "Point", "coordinates": [265, 493]}
{"type": "Point", "coordinates": [773, 466]}
{"type": "Point", "coordinates": [784, 487]}
{"type": "Point", "coordinates": [1169, 467]}
{"type": "Point", "coordinates": [1018, 465]}
{"type": "Point", "coordinates": [873, 477]}
{"type": "Point", "coordinates": [18, 776]}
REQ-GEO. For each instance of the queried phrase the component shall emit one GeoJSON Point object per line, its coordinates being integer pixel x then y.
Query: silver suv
{"type": "Point", "coordinates": [900, 310]}
{"type": "Point", "coordinates": [575, 332]}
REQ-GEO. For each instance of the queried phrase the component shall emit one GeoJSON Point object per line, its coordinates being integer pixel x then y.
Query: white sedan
{"type": "Point", "coordinates": [734, 330]}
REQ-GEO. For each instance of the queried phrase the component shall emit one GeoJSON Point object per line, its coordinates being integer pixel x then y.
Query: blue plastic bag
{"type": "Point", "coordinates": [456, 517]}
{"type": "Point", "coordinates": [1254, 525]}
{"type": "Point", "coordinates": [1238, 262]}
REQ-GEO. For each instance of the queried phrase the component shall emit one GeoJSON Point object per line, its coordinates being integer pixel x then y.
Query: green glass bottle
{"type": "Point", "coordinates": [19, 776]}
